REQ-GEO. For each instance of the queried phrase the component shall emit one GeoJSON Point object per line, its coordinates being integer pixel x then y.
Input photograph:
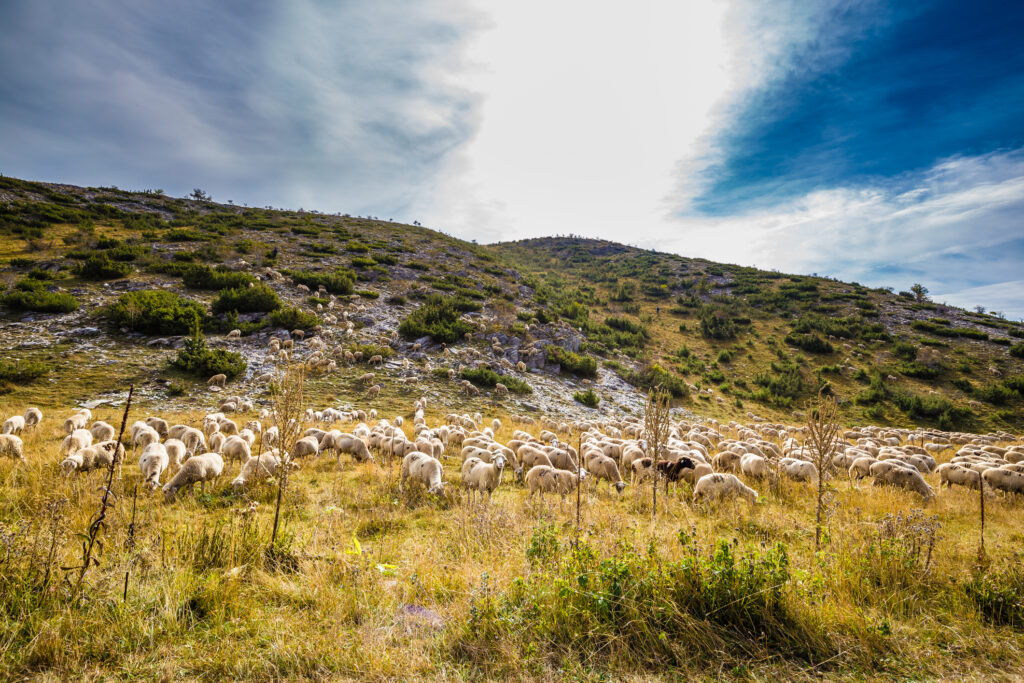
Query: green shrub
{"type": "Point", "coordinates": [258, 298]}
{"type": "Point", "coordinates": [653, 376]}
{"type": "Point", "coordinates": [724, 356]}
{"type": "Point", "coordinates": [338, 281]}
{"type": "Point", "coordinates": [919, 370]}
{"type": "Point", "coordinates": [23, 371]}
{"type": "Point", "coordinates": [996, 394]}
{"type": "Point", "coordinates": [204, 277]}
{"type": "Point", "coordinates": [999, 596]}
{"type": "Point", "coordinates": [437, 318]}
{"type": "Point", "coordinates": [811, 343]}
{"type": "Point", "coordinates": [196, 358]}
{"type": "Point", "coordinates": [716, 327]}
{"type": "Point", "coordinates": [587, 398]}
{"type": "Point", "coordinates": [577, 364]}
{"type": "Point", "coordinates": [484, 377]}
{"type": "Point", "coordinates": [292, 318]}
{"type": "Point", "coordinates": [363, 262]}
{"type": "Point", "coordinates": [397, 300]}
{"type": "Point", "coordinates": [1017, 350]}
{"type": "Point", "coordinates": [101, 267]}
{"type": "Point", "coordinates": [368, 293]}
{"type": "Point", "coordinates": [155, 311]}
{"type": "Point", "coordinates": [40, 301]}
{"type": "Point", "coordinates": [904, 351]}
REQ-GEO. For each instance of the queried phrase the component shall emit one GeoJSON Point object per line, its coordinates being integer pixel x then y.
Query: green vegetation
{"type": "Point", "coordinates": [39, 300]}
{"type": "Point", "coordinates": [197, 359]}
{"type": "Point", "coordinates": [438, 318]}
{"type": "Point", "coordinates": [204, 277]}
{"type": "Point", "coordinates": [292, 318]}
{"type": "Point", "coordinates": [484, 377]}
{"type": "Point", "coordinates": [101, 267]}
{"type": "Point", "coordinates": [258, 298]}
{"type": "Point", "coordinates": [339, 281]}
{"type": "Point", "coordinates": [155, 312]}
{"type": "Point", "coordinates": [587, 398]}
{"type": "Point", "coordinates": [580, 365]}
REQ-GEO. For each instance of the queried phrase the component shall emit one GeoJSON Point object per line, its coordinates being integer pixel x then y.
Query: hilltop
{"type": "Point", "coordinates": [728, 341]}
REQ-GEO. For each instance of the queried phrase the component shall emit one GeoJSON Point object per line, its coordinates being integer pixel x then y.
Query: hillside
{"type": "Point", "coordinates": [731, 342]}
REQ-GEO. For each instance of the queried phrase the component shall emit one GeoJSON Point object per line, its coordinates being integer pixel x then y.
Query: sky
{"type": "Point", "coordinates": [872, 141]}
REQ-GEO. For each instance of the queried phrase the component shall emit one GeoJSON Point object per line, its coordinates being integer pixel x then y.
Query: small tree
{"type": "Point", "coordinates": [919, 291]}
{"type": "Point", "coordinates": [289, 409]}
{"type": "Point", "coordinates": [657, 422]}
{"type": "Point", "coordinates": [200, 195]}
{"type": "Point", "coordinates": [823, 436]}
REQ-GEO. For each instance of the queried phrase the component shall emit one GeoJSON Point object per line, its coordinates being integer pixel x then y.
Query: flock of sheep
{"type": "Point", "coordinates": [711, 456]}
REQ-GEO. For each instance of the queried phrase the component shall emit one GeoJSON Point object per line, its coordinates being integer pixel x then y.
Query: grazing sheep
{"type": "Point", "coordinates": [216, 442]}
{"type": "Point", "coordinates": [349, 443]}
{"type": "Point", "coordinates": [604, 467]}
{"type": "Point", "coordinates": [76, 421]}
{"type": "Point", "coordinates": [236, 448]}
{"type": "Point", "coordinates": [753, 465]}
{"type": "Point", "coordinates": [694, 474]}
{"type": "Point", "coordinates": [12, 445]}
{"type": "Point", "coordinates": [152, 463]}
{"type": "Point", "coordinates": [101, 431]}
{"type": "Point", "coordinates": [721, 485]}
{"type": "Point", "coordinates": [999, 479]}
{"type": "Point", "coordinates": [481, 476]}
{"type": "Point", "coordinates": [307, 445]}
{"type": "Point", "coordinates": [500, 389]}
{"type": "Point", "coordinates": [193, 439]}
{"type": "Point", "coordinates": [33, 416]}
{"type": "Point", "coordinates": [531, 456]}
{"type": "Point", "coordinates": [423, 468]}
{"type": "Point", "coordinates": [217, 380]}
{"type": "Point", "coordinates": [159, 424]}
{"type": "Point", "coordinates": [546, 479]}
{"type": "Point", "coordinates": [76, 441]}
{"type": "Point", "coordinates": [861, 467]}
{"type": "Point", "coordinates": [952, 473]}
{"type": "Point", "coordinates": [198, 468]}
{"type": "Point", "coordinates": [14, 425]}
{"type": "Point", "coordinates": [85, 459]}
{"type": "Point", "coordinates": [143, 437]}
{"type": "Point", "coordinates": [255, 469]}
{"type": "Point", "coordinates": [727, 461]}
{"type": "Point", "coordinates": [373, 392]}
{"type": "Point", "coordinates": [905, 478]}
{"type": "Point", "coordinates": [798, 470]}
{"type": "Point", "coordinates": [175, 451]}
{"type": "Point", "coordinates": [234, 334]}
{"type": "Point", "coordinates": [675, 470]}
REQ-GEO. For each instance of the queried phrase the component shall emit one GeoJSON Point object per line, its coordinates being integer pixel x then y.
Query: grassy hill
{"type": "Point", "coordinates": [730, 342]}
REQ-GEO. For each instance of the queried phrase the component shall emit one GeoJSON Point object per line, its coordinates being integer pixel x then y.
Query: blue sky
{"type": "Point", "coordinates": [873, 141]}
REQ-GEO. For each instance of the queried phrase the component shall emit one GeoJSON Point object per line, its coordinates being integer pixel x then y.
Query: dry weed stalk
{"type": "Point", "coordinates": [657, 422]}
{"type": "Point", "coordinates": [289, 409]}
{"type": "Point", "coordinates": [824, 437]}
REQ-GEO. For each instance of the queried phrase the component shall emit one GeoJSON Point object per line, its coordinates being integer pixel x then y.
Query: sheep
{"type": "Point", "coordinates": [76, 441]}
{"type": "Point", "coordinates": [175, 451]}
{"type": "Point", "coordinates": [152, 463]}
{"type": "Point", "coordinates": [719, 485]}
{"type": "Point", "coordinates": [12, 445]}
{"type": "Point", "coordinates": [952, 473]}
{"type": "Point", "coordinates": [234, 334]}
{"type": "Point", "coordinates": [546, 479]}
{"type": "Point", "coordinates": [799, 470]}
{"type": "Point", "coordinates": [481, 476]}
{"type": "Point", "coordinates": [256, 468]}
{"type": "Point", "coordinates": [143, 437]}
{"type": "Point", "coordinates": [675, 470]}
{"type": "Point", "coordinates": [307, 445]}
{"type": "Point", "coordinates": [500, 389]}
{"type": "Point", "coordinates": [236, 448]}
{"type": "Point", "coordinates": [349, 443]}
{"type": "Point", "coordinates": [216, 442]}
{"type": "Point", "coordinates": [373, 391]}
{"type": "Point", "coordinates": [903, 477]}
{"type": "Point", "coordinates": [727, 461]}
{"type": "Point", "coordinates": [753, 465]}
{"type": "Point", "coordinates": [33, 416]}
{"type": "Point", "coordinates": [217, 380]}
{"type": "Point", "coordinates": [193, 439]}
{"type": "Point", "coordinates": [76, 421]}
{"type": "Point", "coordinates": [1004, 480]}
{"type": "Point", "coordinates": [423, 468]}
{"type": "Point", "coordinates": [861, 467]}
{"type": "Point", "coordinates": [198, 468]}
{"type": "Point", "coordinates": [101, 431]}
{"type": "Point", "coordinates": [530, 457]}
{"type": "Point", "coordinates": [159, 424]}
{"type": "Point", "coordinates": [269, 437]}
{"type": "Point", "coordinates": [604, 467]}
{"type": "Point", "coordinates": [89, 458]}
{"type": "Point", "coordinates": [14, 425]}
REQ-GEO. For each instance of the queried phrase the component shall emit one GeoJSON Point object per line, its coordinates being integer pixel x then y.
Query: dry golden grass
{"type": "Point", "coordinates": [359, 561]}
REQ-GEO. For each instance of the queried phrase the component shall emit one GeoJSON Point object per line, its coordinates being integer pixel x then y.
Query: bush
{"type": "Point", "coordinates": [919, 370]}
{"type": "Point", "coordinates": [40, 301]}
{"type": "Point", "coordinates": [484, 377]}
{"type": "Point", "coordinates": [155, 312]}
{"type": "Point", "coordinates": [654, 376]}
{"type": "Point", "coordinates": [996, 394]}
{"type": "Point", "coordinates": [811, 343]}
{"type": "Point", "coordinates": [204, 277]}
{"type": "Point", "coordinates": [715, 327]}
{"type": "Point", "coordinates": [437, 318]}
{"type": "Point", "coordinates": [587, 398]}
{"type": "Point", "coordinates": [999, 596]}
{"type": "Point", "coordinates": [1017, 350]}
{"type": "Point", "coordinates": [397, 300]}
{"type": "Point", "coordinates": [258, 298]}
{"type": "Point", "coordinates": [22, 372]}
{"type": "Point", "coordinates": [199, 360]}
{"type": "Point", "coordinates": [339, 281]}
{"type": "Point", "coordinates": [904, 351]}
{"type": "Point", "coordinates": [577, 364]}
{"type": "Point", "coordinates": [292, 318]}
{"type": "Point", "coordinates": [101, 267]}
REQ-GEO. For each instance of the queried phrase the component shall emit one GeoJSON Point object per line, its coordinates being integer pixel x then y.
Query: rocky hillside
{"type": "Point", "coordinates": [103, 287]}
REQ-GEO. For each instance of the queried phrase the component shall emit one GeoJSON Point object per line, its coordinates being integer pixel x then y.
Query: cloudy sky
{"type": "Point", "coordinates": [881, 142]}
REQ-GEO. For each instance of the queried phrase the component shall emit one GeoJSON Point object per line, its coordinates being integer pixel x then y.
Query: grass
{"type": "Point", "coordinates": [515, 598]}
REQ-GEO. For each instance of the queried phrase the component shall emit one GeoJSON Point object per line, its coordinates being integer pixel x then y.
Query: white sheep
{"type": "Point", "coordinates": [348, 443]}
{"type": "Point", "coordinates": [546, 479]}
{"type": "Point", "coordinates": [423, 468]}
{"type": "Point", "coordinates": [602, 466]}
{"type": "Point", "coordinates": [198, 468]}
{"type": "Point", "coordinates": [159, 424]}
{"type": "Point", "coordinates": [193, 440]}
{"type": "Point", "coordinates": [236, 448]}
{"type": "Point", "coordinates": [76, 421]}
{"type": "Point", "coordinates": [720, 485]}
{"type": "Point", "coordinates": [12, 445]}
{"type": "Point", "coordinates": [753, 465]}
{"type": "Point", "coordinates": [33, 416]}
{"type": "Point", "coordinates": [798, 470]}
{"type": "Point", "coordinates": [14, 425]}
{"type": "Point", "coordinates": [217, 380]}
{"type": "Point", "coordinates": [101, 431]}
{"type": "Point", "coordinates": [481, 476]}
{"type": "Point", "coordinates": [307, 445]}
{"type": "Point", "coordinates": [152, 463]}
{"type": "Point", "coordinates": [144, 436]}
{"type": "Point", "coordinates": [1009, 481]}
{"type": "Point", "coordinates": [76, 441]}
{"type": "Point", "coordinates": [257, 468]}
{"type": "Point", "coordinates": [89, 458]}
{"type": "Point", "coordinates": [908, 478]}
{"type": "Point", "coordinates": [175, 451]}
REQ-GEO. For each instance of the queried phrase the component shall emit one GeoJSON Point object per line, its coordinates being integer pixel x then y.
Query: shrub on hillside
{"type": "Point", "coordinates": [1017, 350]}
{"type": "Point", "coordinates": [811, 343]}
{"type": "Point", "coordinates": [715, 327]}
{"type": "Point", "coordinates": [40, 301]}
{"type": "Point", "coordinates": [437, 318]}
{"type": "Point", "coordinates": [196, 358]}
{"type": "Point", "coordinates": [205, 277]}
{"type": "Point", "coordinates": [292, 318]}
{"type": "Point", "coordinates": [339, 281]}
{"type": "Point", "coordinates": [904, 351]}
{"type": "Point", "coordinates": [155, 312]}
{"type": "Point", "coordinates": [580, 365]}
{"type": "Point", "coordinates": [258, 298]}
{"type": "Point", "coordinates": [653, 376]}
{"type": "Point", "coordinates": [587, 398]}
{"type": "Point", "coordinates": [101, 267]}
{"type": "Point", "coordinates": [484, 377]}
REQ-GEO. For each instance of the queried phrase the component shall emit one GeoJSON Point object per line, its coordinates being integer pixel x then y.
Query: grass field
{"type": "Point", "coordinates": [373, 583]}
